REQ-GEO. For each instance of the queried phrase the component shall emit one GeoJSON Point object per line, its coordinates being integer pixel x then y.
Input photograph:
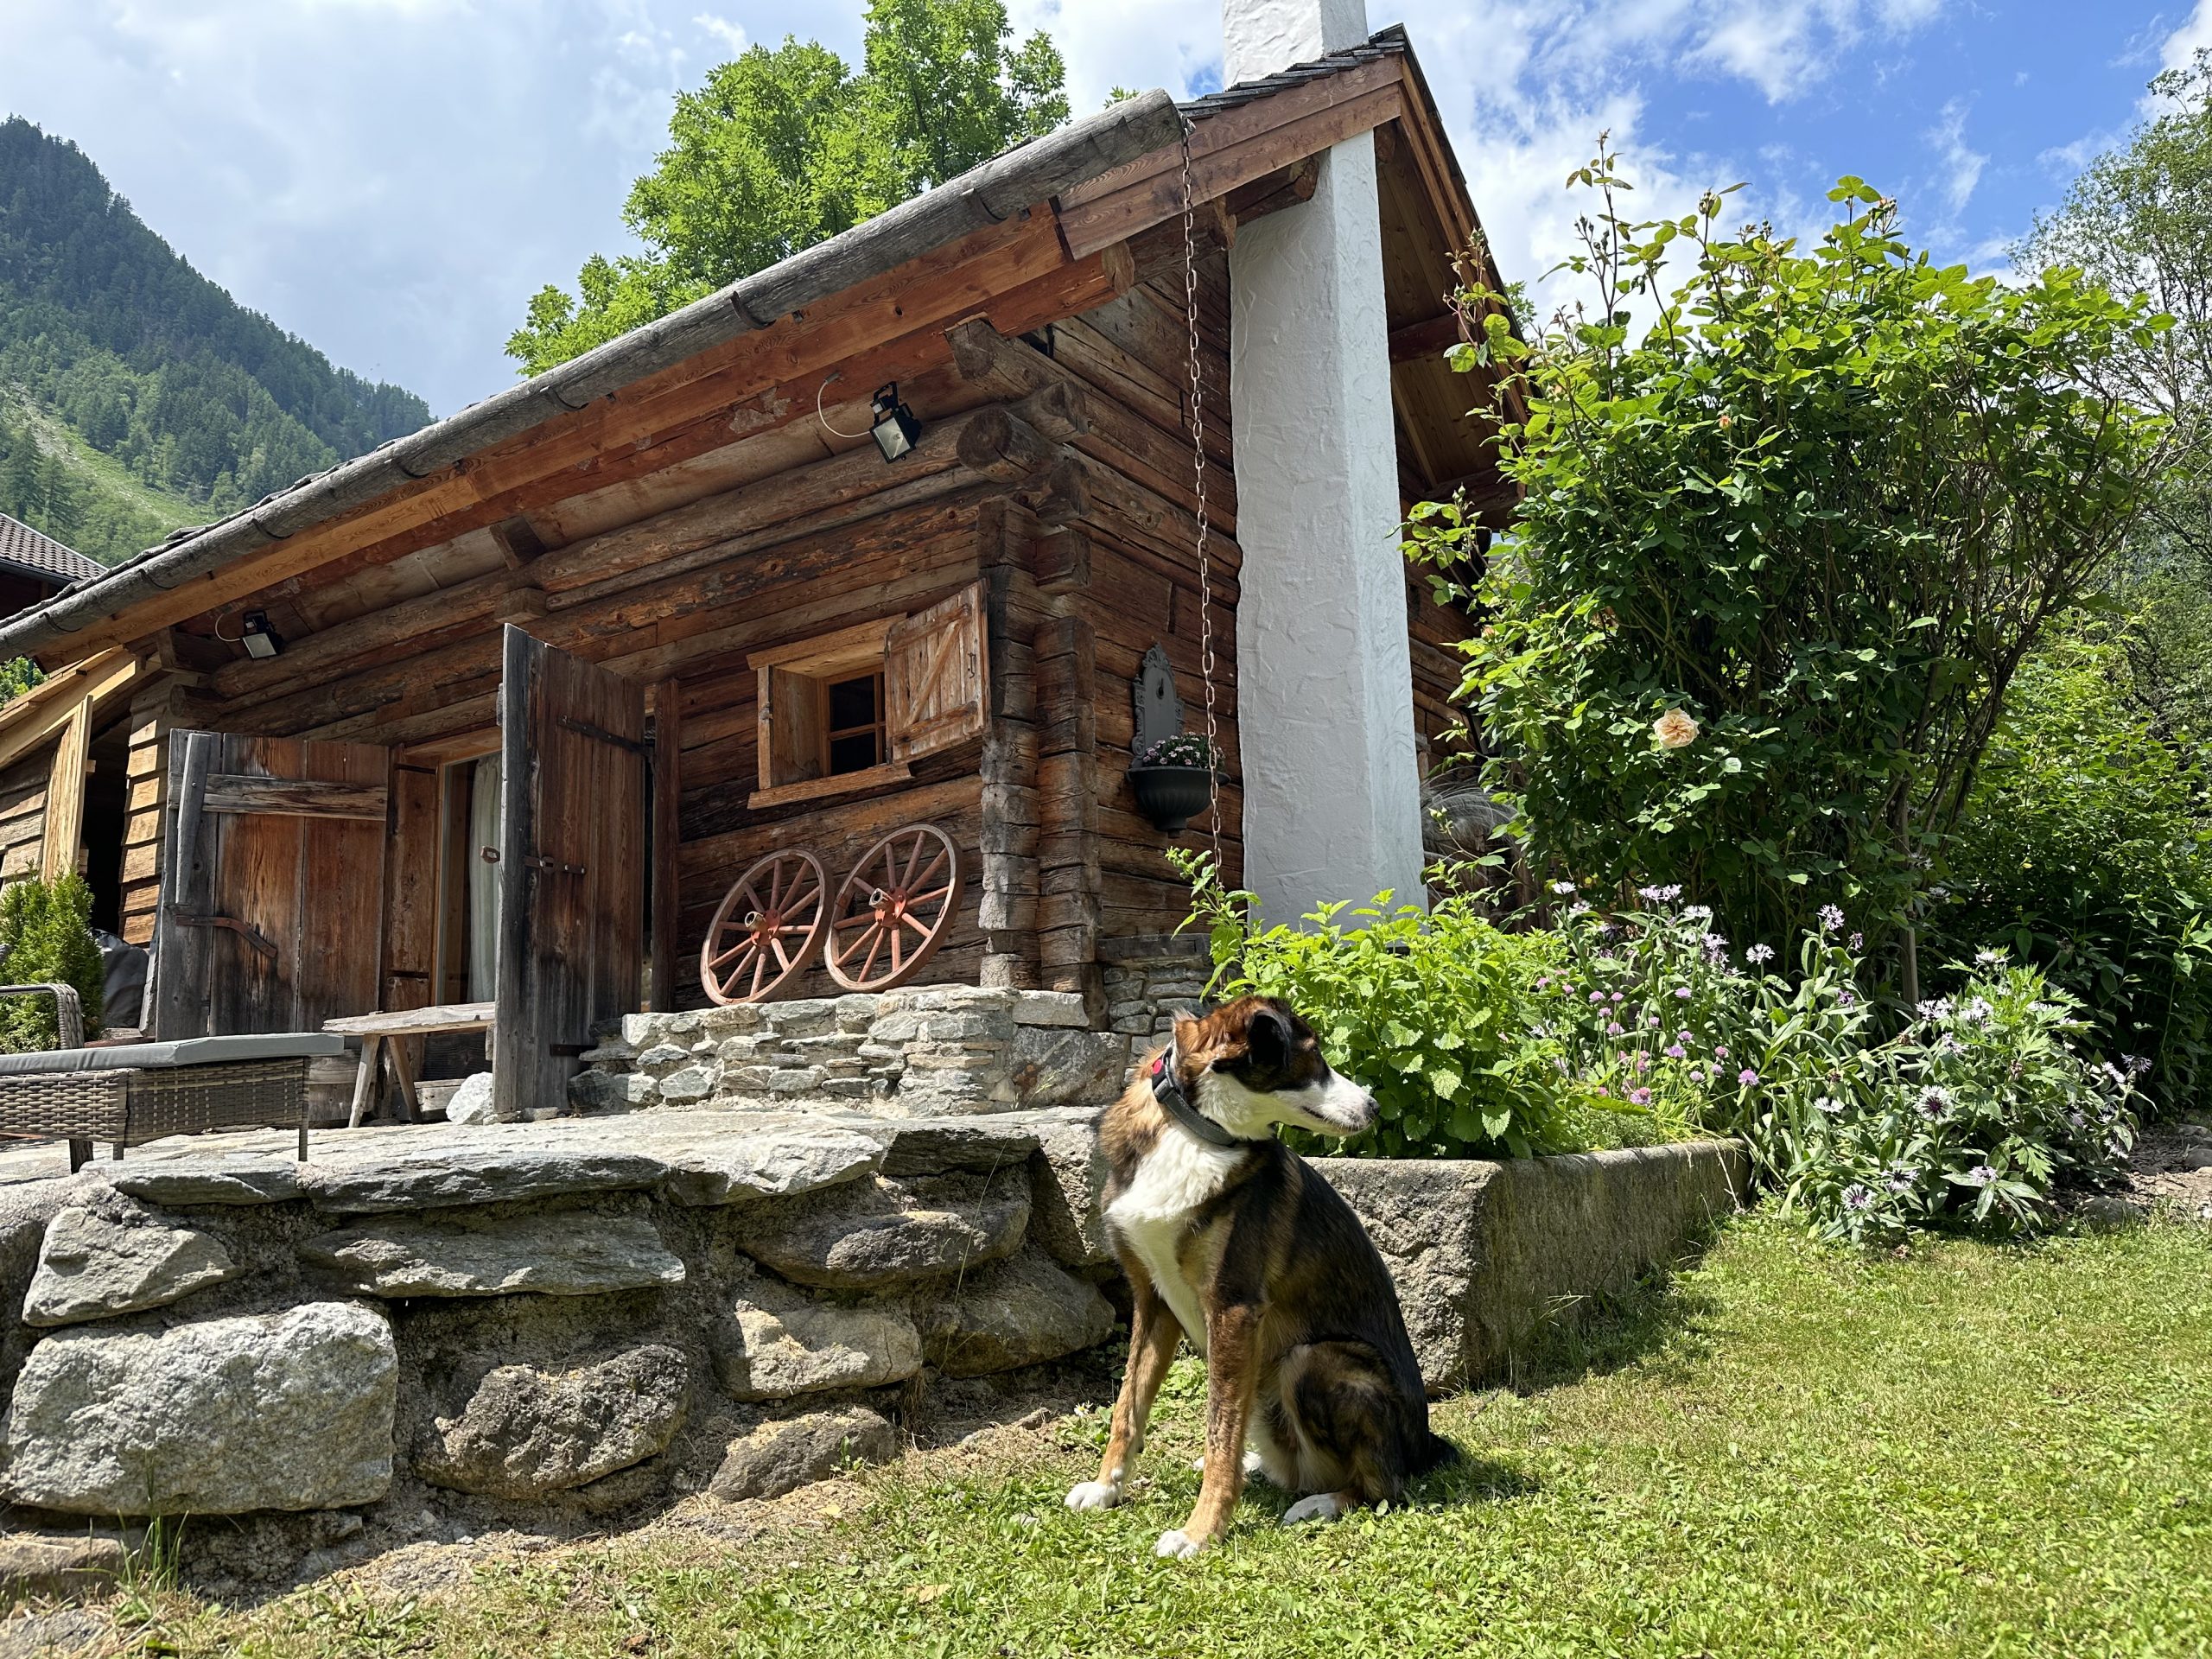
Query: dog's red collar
{"type": "Point", "coordinates": [1168, 1092]}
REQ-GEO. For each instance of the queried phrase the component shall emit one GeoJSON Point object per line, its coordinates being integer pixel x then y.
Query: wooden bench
{"type": "Point", "coordinates": [382, 1036]}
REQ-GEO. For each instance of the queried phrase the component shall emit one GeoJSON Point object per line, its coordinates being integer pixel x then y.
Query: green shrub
{"type": "Point", "coordinates": [46, 938]}
{"type": "Point", "coordinates": [2088, 850]}
{"type": "Point", "coordinates": [1429, 1010]}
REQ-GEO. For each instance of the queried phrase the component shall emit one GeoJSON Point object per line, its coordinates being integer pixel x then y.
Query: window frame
{"type": "Point", "coordinates": [784, 673]}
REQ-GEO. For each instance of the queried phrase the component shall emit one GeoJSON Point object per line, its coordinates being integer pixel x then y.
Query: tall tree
{"type": "Point", "coordinates": [781, 149]}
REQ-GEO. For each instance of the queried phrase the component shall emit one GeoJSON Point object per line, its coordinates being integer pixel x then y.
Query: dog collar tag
{"type": "Point", "coordinates": [1173, 1100]}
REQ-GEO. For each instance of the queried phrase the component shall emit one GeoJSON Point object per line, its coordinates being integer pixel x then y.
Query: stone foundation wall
{"type": "Point", "coordinates": [916, 1053]}
{"type": "Point", "coordinates": [1148, 982]}
{"type": "Point", "coordinates": [431, 1331]}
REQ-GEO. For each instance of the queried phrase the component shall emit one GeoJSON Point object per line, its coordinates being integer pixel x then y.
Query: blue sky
{"type": "Point", "coordinates": [392, 179]}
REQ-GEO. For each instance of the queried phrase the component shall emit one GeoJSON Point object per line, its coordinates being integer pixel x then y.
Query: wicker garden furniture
{"type": "Point", "coordinates": [133, 1093]}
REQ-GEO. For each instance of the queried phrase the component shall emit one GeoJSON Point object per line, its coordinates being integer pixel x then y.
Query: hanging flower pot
{"type": "Point", "coordinates": [1173, 781]}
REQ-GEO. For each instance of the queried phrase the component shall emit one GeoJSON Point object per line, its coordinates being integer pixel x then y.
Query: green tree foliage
{"type": "Point", "coordinates": [2087, 848]}
{"type": "Point", "coordinates": [105, 331]}
{"type": "Point", "coordinates": [46, 938]}
{"type": "Point", "coordinates": [1782, 550]}
{"type": "Point", "coordinates": [783, 148]}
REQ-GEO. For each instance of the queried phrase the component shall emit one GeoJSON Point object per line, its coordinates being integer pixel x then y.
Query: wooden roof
{"type": "Point", "coordinates": [723, 393]}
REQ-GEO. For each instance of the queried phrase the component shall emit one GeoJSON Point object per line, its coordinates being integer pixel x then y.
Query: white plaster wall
{"type": "Point", "coordinates": [1325, 676]}
{"type": "Point", "coordinates": [1261, 36]}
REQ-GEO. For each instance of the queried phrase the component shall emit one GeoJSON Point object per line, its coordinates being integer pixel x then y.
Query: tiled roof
{"type": "Point", "coordinates": [28, 550]}
{"type": "Point", "coordinates": [1383, 43]}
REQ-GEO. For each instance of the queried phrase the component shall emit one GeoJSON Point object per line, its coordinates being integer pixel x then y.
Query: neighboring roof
{"type": "Point", "coordinates": [25, 550]}
{"type": "Point", "coordinates": [1390, 42]}
{"type": "Point", "coordinates": [986, 194]}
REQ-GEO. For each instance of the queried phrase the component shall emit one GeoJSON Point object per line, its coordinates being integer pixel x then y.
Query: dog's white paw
{"type": "Point", "coordinates": [1253, 1463]}
{"type": "Point", "coordinates": [1322, 1506]}
{"type": "Point", "coordinates": [1177, 1546]}
{"type": "Point", "coordinates": [1094, 1494]}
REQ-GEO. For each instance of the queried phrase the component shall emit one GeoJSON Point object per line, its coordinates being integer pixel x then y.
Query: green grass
{"type": "Point", "coordinates": [123, 514]}
{"type": "Point", "coordinates": [1972, 1450]}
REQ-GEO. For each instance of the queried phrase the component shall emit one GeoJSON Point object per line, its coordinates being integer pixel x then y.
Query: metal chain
{"type": "Point", "coordinates": [1198, 482]}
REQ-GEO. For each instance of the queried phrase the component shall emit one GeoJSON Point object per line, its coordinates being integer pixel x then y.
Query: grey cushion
{"type": "Point", "coordinates": [190, 1050]}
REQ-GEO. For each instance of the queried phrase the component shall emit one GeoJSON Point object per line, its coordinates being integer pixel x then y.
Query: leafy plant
{"type": "Point", "coordinates": [1183, 749]}
{"type": "Point", "coordinates": [1428, 1010]}
{"type": "Point", "coordinates": [2088, 851]}
{"type": "Point", "coordinates": [1778, 555]}
{"type": "Point", "coordinates": [46, 938]}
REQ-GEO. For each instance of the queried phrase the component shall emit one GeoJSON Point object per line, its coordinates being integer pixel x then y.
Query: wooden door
{"type": "Point", "coordinates": [272, 884]}
{"type": "Point", "coordinates": [572, 866]}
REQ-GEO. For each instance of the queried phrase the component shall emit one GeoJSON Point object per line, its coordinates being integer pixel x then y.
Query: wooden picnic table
{"type": "Point", "coordinates": [381, 1035]}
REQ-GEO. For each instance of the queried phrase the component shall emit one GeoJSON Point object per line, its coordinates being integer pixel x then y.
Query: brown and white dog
{"type": "Point", "coordinates": [1232, 1239]}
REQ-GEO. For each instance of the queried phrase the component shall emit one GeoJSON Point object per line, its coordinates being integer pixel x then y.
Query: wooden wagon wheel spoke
{"type": "Point", "coordinates": [745, 957]}
{"type": "Point", "coordinates": [893, 910]}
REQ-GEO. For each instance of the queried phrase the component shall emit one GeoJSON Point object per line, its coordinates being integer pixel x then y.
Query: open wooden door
{"type": "Point", "coordinates": [572, 866]}
{"type": "Point", "coordinates": [273, 885]}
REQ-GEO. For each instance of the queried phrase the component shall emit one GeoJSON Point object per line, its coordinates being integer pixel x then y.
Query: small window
{"type": "Point", "coordinates": [854, 741]}
{"type": "Point", "coordinates": [851, 709]}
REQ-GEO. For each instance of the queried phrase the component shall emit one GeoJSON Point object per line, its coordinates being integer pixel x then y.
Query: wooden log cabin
{"type": "Point", "coordinates": [501, 711]}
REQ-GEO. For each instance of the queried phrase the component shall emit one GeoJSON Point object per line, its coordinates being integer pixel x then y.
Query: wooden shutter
{"type": "Point", "coordinates": [272, 884]}
{"type": "Point", "coordinates": [936, 686]}
{"type": "Point", "coordinates": [572, 866]}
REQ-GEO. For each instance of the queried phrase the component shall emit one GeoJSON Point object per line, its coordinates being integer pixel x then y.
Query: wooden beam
{"type": "Point", "coordinates": [1431, 337]}
{"type": "Point", "coordinates": [65, 796]}
{"type": "Point", "coordinates": [1232, 148]}
{"type": "Point", "coordinates": [37, 714]}
{"type": "Point", "coordinates": [293, 797]}
{"type": "Point", "coordinates": [666, 837]}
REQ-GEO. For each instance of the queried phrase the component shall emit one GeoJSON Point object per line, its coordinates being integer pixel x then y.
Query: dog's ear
{"type": "Point", "coordinates": [1267, 1039]}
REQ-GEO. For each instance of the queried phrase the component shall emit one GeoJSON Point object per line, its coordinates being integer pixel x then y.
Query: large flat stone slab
{"type": "Point", "coordinates": [1022, 1311]}
{"type": "Point", "coordinates": [1484, 1254]}
{"type": "Point", "coordinates": [279, 1411]}
{"type": "Point", "coordinates": [560, 1254]}
{"type": "Point", "coordinates": [96, 1267]}
{"type": "Point", "coordinates": [879, 1233]}
{"type": "Point", "coordinates": [527, 1434]}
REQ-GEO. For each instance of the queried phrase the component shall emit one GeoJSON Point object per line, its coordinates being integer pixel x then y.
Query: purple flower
{"type": "Point", "coordinates": [1697, 1074]}
{"type": "Point", "coordinates": [1760, 953]}
{"type": "Point", "coordinates": [1934, 1102]}
{"type": "Point", "coordinates": [1847, 998]}
{"type": "Point", "coordinates": [1613, 1028]}
{"type": "Point", "coordinates": [1683, 993]}
{"type": "Point", "coordinates": [1858, 942]}
{"type": "Point", "coordinates": [1617, 997]}
{"type": "Point", "coordinates": [1720, 1052]}
{"type": "Point", "coordinates": [1543, 984]}
{"type": "Point", "coordinates": [1597, 996]}
{"type": "Point", "coordinates": [1681, 1036]}
{"type": "Point", "coordinates": [1829, 1104]}
{"type": "Point", "coordinates": [1831, 919]}
{"type": "Point", "coordinates": [1981, 1175]}
{"type": "Point", "coordinates": [1660, 895]}
{"type": "Point", "coordinates": [1697, 913]}
{"type": "Point", "coordinates": [1639, 1097]}
{"type": "Point", "coordinates": [1747, 1076]}
{"type": "Point", "coordinates": [1676, 1051]}
{"type": "Point", "coordinates": [1901, 1180]}
{"type": "Point", "coordinates": [1642, 1061]}
{"type": "Point", "coordinates": [1856, 1197]}
{"type": "Point", "coordinates": [1562, 889]}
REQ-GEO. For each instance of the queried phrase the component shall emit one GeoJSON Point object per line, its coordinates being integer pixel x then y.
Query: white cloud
{"type": "Point", "coordinates": [729, 37]}
{"type": "Point", "coordinates": [2181, 46]}
{"type": "Point", "coordinates": [1961, 165]}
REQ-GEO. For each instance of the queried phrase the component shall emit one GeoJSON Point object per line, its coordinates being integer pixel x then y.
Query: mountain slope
{"type": "Point", "coordinates": [134, 394]}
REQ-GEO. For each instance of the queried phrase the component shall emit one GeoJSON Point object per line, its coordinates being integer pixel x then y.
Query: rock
{"type": "Point", "coordinates": [527, 1434]}
{"type": "Point", "coordinates": [369, 1171]}
{"type": "Point", "coordinates": [278, 1411]}
{"type": "Point", "coordinates": [91, 1267]}
{"type": "Point", "coordinates": [929, 1146]}
{"type": "Point", "coordinates": [472, 1102]}
{"type": "Point", "coordinates": [562, 1254]}
{"type": "Point", "coordinates": [1050, 1008]}
{"type": "Point", "coordinates": [2107, 1210]}
{"type": "Point", "coordinates": [1020, 1312]}
{"type": "Point", "coordinates": [773, 1155]}
{"type": "Point", "coordinates": [789, 1451]}
{"type": "Point", "coordinates": [34, 1564]}
{"type": "Point", "coordinates": [1077, 1068]}
{"type": "Point", "coordinates": [692, 1083]}
{"type": "Point", "coordinates": [611, 1091]}
{"type": "Point", "coordinates": [1067, 1193]}
{"type": "Point", "coordinates": [192, 1175]}
{"type": "Point", "coordinates": [885, 1233]}
{"type": "Point", "coordinates": [782, 1341]}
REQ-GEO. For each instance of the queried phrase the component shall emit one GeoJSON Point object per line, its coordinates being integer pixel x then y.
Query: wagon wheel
{"type": "Point", "coordinates": [894, 909]}
{"type": "Point", "coordinates": [769, 923]}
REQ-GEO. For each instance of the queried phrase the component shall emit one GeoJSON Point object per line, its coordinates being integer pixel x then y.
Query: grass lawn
{"type": "Point", "coordinates": [1970, 1450]}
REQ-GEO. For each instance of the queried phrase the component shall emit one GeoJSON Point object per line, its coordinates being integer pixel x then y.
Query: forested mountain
{"type": "Point", "coordinates": [134, 394]}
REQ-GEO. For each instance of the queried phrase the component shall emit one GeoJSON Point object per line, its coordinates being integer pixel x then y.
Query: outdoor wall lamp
{"type": "Point", "coordinates": [257, 637]}
{"type": "Point", "coordinates": [894, 425]}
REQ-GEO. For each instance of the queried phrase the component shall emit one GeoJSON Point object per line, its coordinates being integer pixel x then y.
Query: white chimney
{"type": "Point", "coordinates": [1325, 676]}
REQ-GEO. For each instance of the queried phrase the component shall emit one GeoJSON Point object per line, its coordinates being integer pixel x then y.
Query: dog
{"type": "Point", "coordinates": [1232, 1240]}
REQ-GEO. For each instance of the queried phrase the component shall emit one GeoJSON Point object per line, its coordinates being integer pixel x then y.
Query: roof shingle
{"type": "Point", "coordinates": [38, 555]}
